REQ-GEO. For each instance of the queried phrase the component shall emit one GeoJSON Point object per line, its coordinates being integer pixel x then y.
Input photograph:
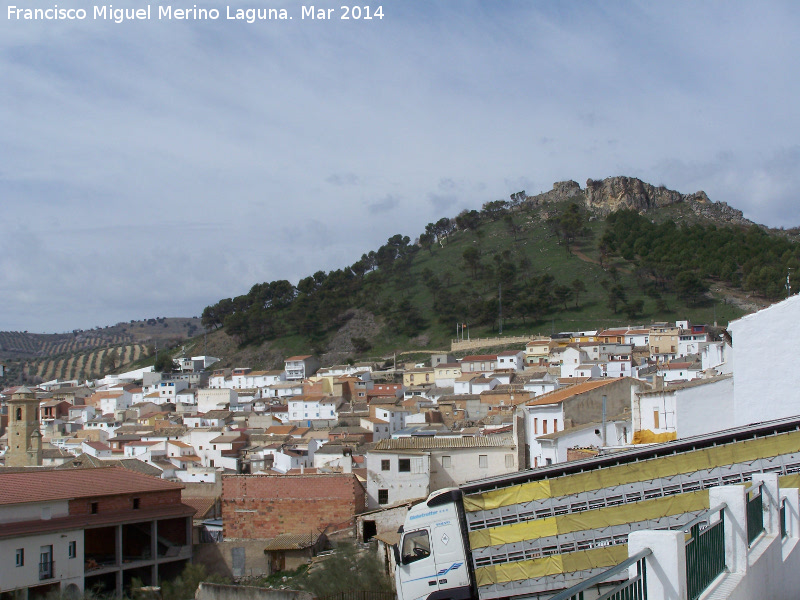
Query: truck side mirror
{"type": "Point", "coordinates": [396, 552]}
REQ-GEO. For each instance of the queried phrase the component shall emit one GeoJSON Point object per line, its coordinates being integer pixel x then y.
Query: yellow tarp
{"type": "Point", "coordinates": [599, 558]}
{"type": "Point", "coordinates": [789, 481]}
{"type": "Point", "coordinates": [666, 466]}
{"type": "Point", "coordinates": [590, 519]}
{"type": "Point", "coordinates": [645, 436]}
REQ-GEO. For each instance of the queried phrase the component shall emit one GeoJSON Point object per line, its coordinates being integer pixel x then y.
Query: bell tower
{"type": "Point", "coordinates": [24, 437]}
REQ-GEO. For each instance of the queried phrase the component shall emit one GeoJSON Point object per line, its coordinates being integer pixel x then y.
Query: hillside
{"type": "Point", "coordinates": [562, 260]}
{"type": "Point", "coordinates": [87, 354]}
{"type": "Point", "coordinates": [619, 251]}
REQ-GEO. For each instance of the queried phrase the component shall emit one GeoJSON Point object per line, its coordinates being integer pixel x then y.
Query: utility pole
{"type": "Point", "coordinates": [500, 306]}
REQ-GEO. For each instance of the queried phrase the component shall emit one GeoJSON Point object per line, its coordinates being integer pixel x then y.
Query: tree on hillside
{"type": "Point", "coordinates": [512, 226]}
{"type": "Point", "coordinates": [578, 288]}
{"type": "Point", "coordinates": [562, 294]}
{"type": "Point", "coordinates": [570, 224]}
{"type": "Point", "coordinates": [494, 209]}
{"type": "Point", "coordinates": [426, 241]}
{"type": "Point", "coordinates": [164, 363]}
{"type": "Point", "coordinates": [468, 220]}
{"type": "Point", "coordinates": [472, 257]}
{"type": "Point", "coordinates": [690, 287]}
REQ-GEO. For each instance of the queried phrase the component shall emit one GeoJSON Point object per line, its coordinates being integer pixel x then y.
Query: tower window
{"type": "Point", "coordinates": [19, 414]}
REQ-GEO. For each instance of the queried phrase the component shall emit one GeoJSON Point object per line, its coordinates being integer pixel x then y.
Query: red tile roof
{"type": "Point", "coordinates": [560, 395]}
{"type": "Point", "coordinates": [42, 486]}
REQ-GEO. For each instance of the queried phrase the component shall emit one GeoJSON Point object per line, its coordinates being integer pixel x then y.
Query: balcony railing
{"type": "Point", "coordinates": [47, 570]}
{"type": "Point", "coordinates": [634, 588]}
{"type": "Point", "coordinates": [755, 513]}
{"type": "Point", "coordinates": [705, 551]}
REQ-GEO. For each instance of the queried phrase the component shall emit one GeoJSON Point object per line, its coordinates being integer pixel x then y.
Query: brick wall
{"type": "Point", "coordinates": [124, 502]}
{"type": "Point", "coordinates": [265, 506]}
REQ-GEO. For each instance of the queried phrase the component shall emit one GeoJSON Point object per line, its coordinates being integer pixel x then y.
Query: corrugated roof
{"type": "Point", "coordinates": [430, 443]}
{"type": "Point", "coordinates": [78, 483]}
{"type": "Point", "coordinates": [292, 541]}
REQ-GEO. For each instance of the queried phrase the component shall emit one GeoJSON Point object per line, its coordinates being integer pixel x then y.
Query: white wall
{"type": "Point", "coordinates": [65, 569]}
{"type": "Point", "coordinates": [401, 486]}
{"type": "Point", "coordinates": [705, 408]}
{"type": "Point", "coordinates": [764, 360]}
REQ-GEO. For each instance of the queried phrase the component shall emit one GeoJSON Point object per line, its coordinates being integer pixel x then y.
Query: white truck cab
{"type": "Point", "coordinates": [432, 556]}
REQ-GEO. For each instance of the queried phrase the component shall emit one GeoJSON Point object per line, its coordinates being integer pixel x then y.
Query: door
{"type": "Point", "coordinates": [417, 568]}
{"type": "Point", "coordinates": [45, 562]}
{"type": "Point", "coordinates": [449, 555]}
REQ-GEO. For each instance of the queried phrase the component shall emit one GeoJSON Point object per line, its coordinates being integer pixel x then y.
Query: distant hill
{"type": "Point", "coordinates": [86, 354]}
{"type": "Point", "coordinates": [617, 251]}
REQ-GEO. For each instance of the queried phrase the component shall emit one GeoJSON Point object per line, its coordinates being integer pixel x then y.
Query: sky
{"type": "Point", "coordinates": [151, 167]}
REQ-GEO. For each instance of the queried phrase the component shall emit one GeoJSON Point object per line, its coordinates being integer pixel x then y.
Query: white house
{"type": "Point", "coordinates": [479, 363]}
{"type": "Point", "coordinates": [714, 357]}
{"type": "Point", "coordinates": [511, 359]}
{"type": "Point", "coordinates": [571, 358]}
{"type": "Point", "coordinates": [406, 468]}
{"type": "Point", "coordinates": [554, 446]}
{"type": "Point", "coordinates": [215, 399]}
{"type": "Point", "coordinates": [683, 410]}
{"type": "Point", "coordinates": [300, 367]}
{"type": "Point", "coordinates": [541, 384]}
{"type": "Point", "coordinates": [378, 427]}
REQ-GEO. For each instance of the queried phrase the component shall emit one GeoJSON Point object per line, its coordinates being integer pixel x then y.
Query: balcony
{"type": "Point", "coordinates": [47, 570]}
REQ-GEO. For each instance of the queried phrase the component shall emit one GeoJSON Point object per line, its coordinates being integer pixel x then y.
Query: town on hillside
{"type": "Point", "coordinates": [250, 473]}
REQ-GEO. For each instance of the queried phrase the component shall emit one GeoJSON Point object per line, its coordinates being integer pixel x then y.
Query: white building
{"type": "Point", "coordinates": [300, 367]}
{"type": "Point", "coordinates": [215, 399]}
{"type": "Point", "coordinates": [683, 410]}
{"type": "Point", "coordinates": [764, 361]}
{"type": "Point", "coordinates": [511, 359]}
{"type": "Point", "coordinates": [406, 468]}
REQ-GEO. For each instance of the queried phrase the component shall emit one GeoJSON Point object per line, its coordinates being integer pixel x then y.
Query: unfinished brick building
{"type": "Point", "coordinates": [266, 506]}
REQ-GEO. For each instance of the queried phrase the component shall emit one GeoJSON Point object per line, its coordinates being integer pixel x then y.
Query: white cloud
{"type": "Point", "coordinates": [219, 155]}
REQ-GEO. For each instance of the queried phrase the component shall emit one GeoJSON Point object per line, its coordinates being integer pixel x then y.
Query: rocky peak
{"type": "Point", "coordinates": [605, 196]}
{"type": "Point", "coordinates": [614, 193]}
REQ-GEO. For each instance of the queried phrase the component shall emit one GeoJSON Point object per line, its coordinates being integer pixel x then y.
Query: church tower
{"type": "Point", "coordinates": [24, 437]}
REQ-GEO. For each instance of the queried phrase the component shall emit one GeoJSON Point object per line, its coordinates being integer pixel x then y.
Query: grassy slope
{"type": "Point", "coordinates": [536, 241]}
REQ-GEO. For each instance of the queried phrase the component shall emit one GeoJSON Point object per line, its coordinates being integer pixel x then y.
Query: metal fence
{"type": "Point", "coordinates": [705, 551]}
{"type": "Point", "coordinates": [634, 588]}
{"type": "Point", "coordinates": [755, 513]}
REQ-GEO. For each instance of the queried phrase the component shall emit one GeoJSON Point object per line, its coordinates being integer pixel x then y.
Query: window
{"type": "Point", "coordinates": [72, 549]}
{"type": "Point", "coordinates": [386, 465]}
{"type": "Point", "coordinates": [416, 546]}
{"type": "Point", "coordinates": [404, 465]}
{"type": "Point", "coordinates": [544, 426]}
{"type": "Point", "coordinates": [446, 462]}
{"type": "Point", "coordinates": [136, 503]}
{"type": "Point", "coordinates": [383, 496]}
{"type": "Point", "coordinates": [93, 508]}
{"type": "Point", "coordinates": [655, 420]}
{"type": "Point", "coordinates": [536, 426]}
{"type": "Point", "coordinates": [20, 557]}
{"type": "Point", "coordinates": [509, 461]}
{"type": "Point", "coordinates": [483, 461]}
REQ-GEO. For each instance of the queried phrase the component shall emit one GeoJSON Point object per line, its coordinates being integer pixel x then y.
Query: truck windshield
{"type": "Point", "coordinates": [416, 545]}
